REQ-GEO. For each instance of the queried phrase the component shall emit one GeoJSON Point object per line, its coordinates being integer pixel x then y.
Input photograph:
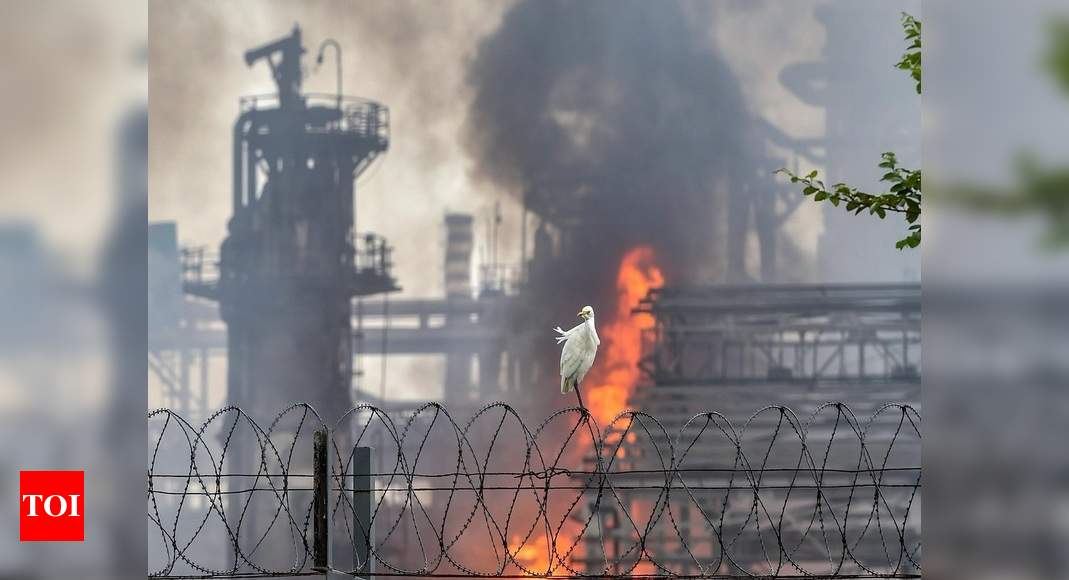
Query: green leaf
{"type": "Point", "coordinates": [903, 196]}
{"type": "Point", "coordinates": [911, 59]}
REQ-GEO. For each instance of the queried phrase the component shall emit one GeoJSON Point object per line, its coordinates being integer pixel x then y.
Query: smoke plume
{"type": "Point", "coordinates": [624, 117]}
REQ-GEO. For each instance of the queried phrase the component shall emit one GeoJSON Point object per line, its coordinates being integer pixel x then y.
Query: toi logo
{"type": "Point", "coordinates": [51, 506]}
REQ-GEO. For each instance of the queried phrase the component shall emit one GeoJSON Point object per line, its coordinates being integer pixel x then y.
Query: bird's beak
{"type": "Point", "coordinates": [579, 314]}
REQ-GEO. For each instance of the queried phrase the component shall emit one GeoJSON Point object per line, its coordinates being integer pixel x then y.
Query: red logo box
{"type": "Point", "coordinates": [51, 506]}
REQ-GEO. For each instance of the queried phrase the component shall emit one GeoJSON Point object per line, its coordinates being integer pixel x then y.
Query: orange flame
{"type": "Point", "coordinates": [605, 392]}
{"type": "Point", "coordinates": [615, 372]}
{"type": "Point", "coordinates": [534, 554]}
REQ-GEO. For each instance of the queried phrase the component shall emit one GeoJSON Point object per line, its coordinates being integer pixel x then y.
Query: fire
{"type": "Point", "coordinates": [615, 372]}
{"type": "Point", "coordinates": [534, 554]}
{"type": "Point", "coordinates": [605, 392]}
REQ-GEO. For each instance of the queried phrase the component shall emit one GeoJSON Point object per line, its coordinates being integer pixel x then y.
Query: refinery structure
{"type": "Point", "coordinates": [294, 295]}
{"type": "Point", "coordinates": [294, 298]}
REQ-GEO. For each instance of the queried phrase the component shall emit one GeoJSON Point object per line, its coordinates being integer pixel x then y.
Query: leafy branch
{"type": "Point", "coordinates": [911, 60]}
{"type": "Point", "coordinates": [903, 196]}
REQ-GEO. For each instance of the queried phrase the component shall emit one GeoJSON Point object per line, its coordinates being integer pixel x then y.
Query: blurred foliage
{"type": "Point", "coordinates": [1057, 57]}
{"type": "Point", "coordinates": [1037, 189]}
{"type": "Point", "coordinates": [904, 194]}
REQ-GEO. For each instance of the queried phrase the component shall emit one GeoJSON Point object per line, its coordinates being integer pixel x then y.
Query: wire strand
{"type": "Point", "coordinates": [777, 496]}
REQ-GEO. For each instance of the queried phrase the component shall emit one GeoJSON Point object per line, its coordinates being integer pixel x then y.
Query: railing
{"type": "Point", "coordinates": [372, 255]}
{"type": "Point", "coordinates": [499, 278]}
{"type": "Point", "coordinates": [420, 494]}
{"type": "Point", "coordinates": [359, 116]}
{"type": "Point", "coordinates": [786, 333]}
{"type": "Point", "coordinates": [200, 269]}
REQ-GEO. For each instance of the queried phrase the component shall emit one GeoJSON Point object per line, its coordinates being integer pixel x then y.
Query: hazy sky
{"type": "Point", "coordinates": [74, 69]}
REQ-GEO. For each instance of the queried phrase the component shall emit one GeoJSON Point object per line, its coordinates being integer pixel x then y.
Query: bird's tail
{"type": "Point", "coordinates": [566, 385]}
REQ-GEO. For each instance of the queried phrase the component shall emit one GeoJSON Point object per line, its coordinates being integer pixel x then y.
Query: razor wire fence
{"type": "Point", "coordinates": [419, 494]}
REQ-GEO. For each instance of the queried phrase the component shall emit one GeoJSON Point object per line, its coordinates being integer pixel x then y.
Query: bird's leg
{"type": "Point", "coordinates": [579, 396]}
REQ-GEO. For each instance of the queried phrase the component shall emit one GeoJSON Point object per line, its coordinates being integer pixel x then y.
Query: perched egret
{"type": "Point", "coordinates": [580, 346]}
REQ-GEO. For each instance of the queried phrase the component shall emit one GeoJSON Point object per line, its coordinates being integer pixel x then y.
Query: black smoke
{"type": "Point", "coordinates": [624, 116]}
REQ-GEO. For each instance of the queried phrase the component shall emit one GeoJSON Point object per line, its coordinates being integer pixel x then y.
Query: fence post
{"type": "Point", "coordinates": [320, 501]}
{"type": "Point", "coordinates": [363, 502]}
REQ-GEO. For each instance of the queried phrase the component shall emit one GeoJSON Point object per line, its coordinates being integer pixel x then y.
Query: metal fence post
{"type": "Point", "coordinates": [363, 506]}
{"type": "Point", "coordinates": [320, 501]}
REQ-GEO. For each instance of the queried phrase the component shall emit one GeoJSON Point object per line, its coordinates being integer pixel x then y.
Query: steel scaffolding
{"type": "Point", "coordinates": [856, 333]}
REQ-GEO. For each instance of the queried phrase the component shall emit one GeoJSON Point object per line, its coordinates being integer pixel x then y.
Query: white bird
{"type": "Point", "coordinates": [580, 347]}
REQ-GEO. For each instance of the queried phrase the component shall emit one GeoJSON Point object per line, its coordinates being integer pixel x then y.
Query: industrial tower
{"type": "Point", "coordinates": [291, 263]}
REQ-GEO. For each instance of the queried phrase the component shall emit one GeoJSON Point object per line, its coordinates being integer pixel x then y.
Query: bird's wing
{"type": "Point", "coordinates": [570, 331]}
{"type": "Point", "coordinates": [585, 363]}
{"type": "Point", "coordinates": [571, 356]}
{"type": "Point", "coordinates": [564, 334]}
